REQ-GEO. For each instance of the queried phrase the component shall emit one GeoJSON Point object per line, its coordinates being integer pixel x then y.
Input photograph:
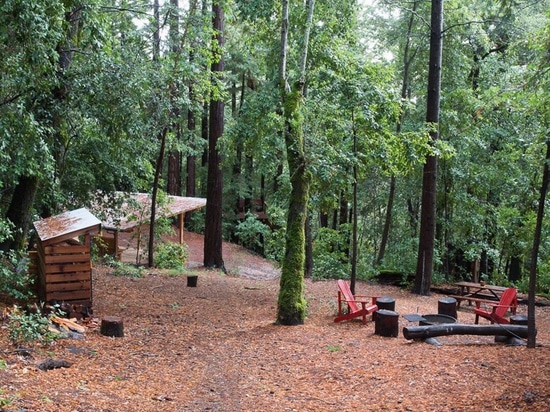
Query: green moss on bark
{"type": "Point", "coordinates": [292, 304]}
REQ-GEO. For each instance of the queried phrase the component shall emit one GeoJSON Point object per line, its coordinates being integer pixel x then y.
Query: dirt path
{"type": "Point", "coordinates": [238, 261]}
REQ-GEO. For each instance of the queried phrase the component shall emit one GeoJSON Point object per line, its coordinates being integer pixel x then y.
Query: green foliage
{"type": "Point", "coordinates": [401, 256]}
{"type": "Point", "coordinates": [5, 401]}
{"type": "Point", "coordinates": [28, 328]}
{"type": "Point", "coordinates": [251, 232]}
{"type": "Point", "coordinates": [123, 269]}
{"type": "Point", "coordinates": [170, 255]}
{"type": "Point", "coordinates": [15, 279]}
{"type": "Point", "coordinates": [330, 259]}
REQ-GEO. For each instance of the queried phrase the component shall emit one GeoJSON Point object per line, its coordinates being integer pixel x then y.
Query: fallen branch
{"type": "Point", "coordinates": [430, 331]}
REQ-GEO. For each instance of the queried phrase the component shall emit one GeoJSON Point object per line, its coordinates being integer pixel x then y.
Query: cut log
{"type": "Point", "coordinates": [423, 332]}
{"type": "Point", "coordinates": [386, 323]}
{"type": "Point", "coordinates": [447, 306]}
{"type": "Point", "coordinates": [112, 326]}
{"type": "Point", "coordinates": [68, 324]}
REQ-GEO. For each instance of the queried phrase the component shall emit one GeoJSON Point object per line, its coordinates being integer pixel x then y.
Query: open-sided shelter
{"type": "Point", "coordinates": [135, 211]}
{"type": "Point", "coordinates": [64, 258]}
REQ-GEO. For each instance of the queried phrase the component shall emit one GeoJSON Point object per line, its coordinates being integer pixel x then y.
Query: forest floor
{"type": "Point", "coordinates": [215, 347]}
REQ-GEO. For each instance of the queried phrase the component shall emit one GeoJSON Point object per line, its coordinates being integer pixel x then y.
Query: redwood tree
{"type": "Point", "coordinates": [213, 227]}
{"type": "Point", "coordinates": [424, 265]}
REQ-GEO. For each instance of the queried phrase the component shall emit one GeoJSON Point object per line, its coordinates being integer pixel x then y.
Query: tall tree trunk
{"type": "Point", "coordinates": [152, 221]}
{"type": "Point", "coordinates": [531, 331]}
{"type": "Point", "coordinates": [407, 61]}
{"type": "Point", "coordinates": [291, 305]}
{"type": "Point", "coordinates": [213, 227]}
{"type": "Point", "coordinates": [174, 158]}
{"type": "Point", "coordinates": [156, 34]}
{"type": "Point", "coordinates": [424, 265]}
{"type": "Point", "coordinates": [205, 132]}
{"type": "Point", "coordinates": [191, 166]}
{"type": "Point", "coordinates": [353, 257]}
{"type": "Point", "coordinates": [387, 222]}
{"type": "Point", "coordinates": [191, 180]}
{"type": "Point", "coordinates": [20, 212]}
{"type": "Point", "coordinates": [309, 249]}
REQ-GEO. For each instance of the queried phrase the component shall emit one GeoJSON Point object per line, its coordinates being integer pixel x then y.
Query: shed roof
{"type": "Point", "coordinates": [66, 225]}
{"type": "Point", "coordinates": [137, 209]}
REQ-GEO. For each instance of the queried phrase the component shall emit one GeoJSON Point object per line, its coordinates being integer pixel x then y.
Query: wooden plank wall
{"type": "Point", "coordinates": [65, 273]}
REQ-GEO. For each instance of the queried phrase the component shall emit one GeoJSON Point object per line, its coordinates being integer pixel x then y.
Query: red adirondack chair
{"type": "Point", "coordinates": [358, 306]}
{"type": "Point", "coordinates": [508, 301]}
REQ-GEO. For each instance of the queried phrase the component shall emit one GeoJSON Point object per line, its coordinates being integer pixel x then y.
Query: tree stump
{"type": "Point", "coordinates": [192, 281]}
{"type": "Point", "coordinates": [386, 323]}
{"type": "Point", "coordinates": [447, 306]}
{"type": "Point", "coordinates": [112, 326]}
{"type": "Point", "coordinates": [385, 302]}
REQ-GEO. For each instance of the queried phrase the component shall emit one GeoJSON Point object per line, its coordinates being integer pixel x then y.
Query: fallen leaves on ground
{"type": "Point", "coordinates": [216, 348]}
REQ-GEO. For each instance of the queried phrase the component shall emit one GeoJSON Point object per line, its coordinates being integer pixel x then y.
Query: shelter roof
{"type": "Point", "coordinates": [136, 209]}
{"type": "Point", "coordinates": [66, 225]}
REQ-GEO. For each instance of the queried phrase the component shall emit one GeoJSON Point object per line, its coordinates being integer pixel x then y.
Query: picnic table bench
{"type": "Point", "coordinates": [477, 292]}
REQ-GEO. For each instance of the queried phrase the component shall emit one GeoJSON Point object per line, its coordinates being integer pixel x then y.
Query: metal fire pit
{"type": "Point", "coordinates": [436, 320]}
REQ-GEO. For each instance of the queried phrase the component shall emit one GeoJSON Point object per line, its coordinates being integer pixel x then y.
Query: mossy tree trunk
{"type": "Point", "coordinates": [291, 308]}
{"type": "Point", "coordinates": [292, 304]}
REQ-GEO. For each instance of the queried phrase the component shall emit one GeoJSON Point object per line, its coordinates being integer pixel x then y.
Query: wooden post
{"type": "Point", "coordinates": [181, 221]}
{"type": "Point", "coordinates": [115, 235]}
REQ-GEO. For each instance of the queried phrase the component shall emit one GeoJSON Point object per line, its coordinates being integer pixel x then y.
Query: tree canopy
{"type": "Point", "coordinates": [91, 90]}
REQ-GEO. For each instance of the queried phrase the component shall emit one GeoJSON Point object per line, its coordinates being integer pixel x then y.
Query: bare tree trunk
{"type": "Point", "coordinates": [191, 166]}
{"type": "Point", "coordinates": [387, 222]}
{"type": "Point", "coordinates": [407, 60]}
{"type": "Point", "coordinates": [353, 276]}
{"type": "Point", "coordinates": [20, 212]}
{"type": "Point", "coordinates": [213, 227]}
{"type": "Point", "coordinates": [174, 158]}
{"type": "Point", "coordinates": [152, 221]}
{"type": "Point", "coordinates": [424, 266]}
{"type": "Point", "coordinates": [156, 34]}
{"type": "Point", "coordinates": [531, 329]}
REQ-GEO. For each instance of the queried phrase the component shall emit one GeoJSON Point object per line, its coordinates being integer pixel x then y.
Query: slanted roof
{"type": "Point", "coordinates": [136, 210]}
{"type": "Point", "coordinates": [56, 229]}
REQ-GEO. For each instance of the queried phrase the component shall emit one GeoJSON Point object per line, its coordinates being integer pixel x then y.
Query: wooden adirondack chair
{"type": "Point", "coordinates": [358, 306]}
{"type": "Point", "coordinates": [508, 301]}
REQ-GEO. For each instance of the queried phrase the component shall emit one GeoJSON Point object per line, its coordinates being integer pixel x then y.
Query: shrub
{"type": "Point", "coordinates": [27, 328]}
{"type": "Point", "coordinates": [123, 269]}
{"type": "Point", "coordinates": [330, 260]}
{"type": "Point", "coordinates": [15, 280]}
{"type": "Point", "coordinates": [170, 255]}
{"type": "Point", "coordinates": [252, 232]}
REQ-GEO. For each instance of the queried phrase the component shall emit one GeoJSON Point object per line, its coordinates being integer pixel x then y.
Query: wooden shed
{"type": "Point", "coordinates": [64, 261]}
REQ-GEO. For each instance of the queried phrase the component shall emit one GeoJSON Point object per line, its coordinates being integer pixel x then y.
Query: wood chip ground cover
{"type": "Point", "coordinates": [216, 348]}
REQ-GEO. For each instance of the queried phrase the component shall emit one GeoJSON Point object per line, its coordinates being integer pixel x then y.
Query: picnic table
{"type": "Point", "coordinates": [477, 292]}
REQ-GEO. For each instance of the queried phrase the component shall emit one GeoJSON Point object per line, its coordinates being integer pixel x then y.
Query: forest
{"type": "Point", "coordinates": [341, 139]}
